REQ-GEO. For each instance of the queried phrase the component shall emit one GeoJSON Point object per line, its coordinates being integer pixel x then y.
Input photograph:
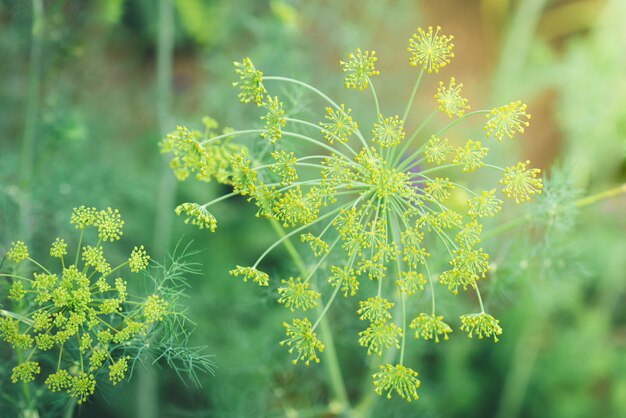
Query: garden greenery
{"type": "Point", "coordinates": [379, 199]}
{"type": "Point", "coordinates": [75, 323]}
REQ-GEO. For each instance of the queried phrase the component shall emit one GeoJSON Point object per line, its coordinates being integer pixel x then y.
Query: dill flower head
{"type": "Point", "coordinates": [259, 277]}
{"type": "Point", "coordinates": [58, 248]}
{"type": "Point", "coordinates": [375, 212]}
{"type": "Point", "coordinates": [344, 279]}
{"type": "Point", "coordinates": [197, 215]}
{"type": "Point", "coordinates": [77, 316]}
{"type": "Point", "coordinates": [375, 309]}
{"type": "Point", "coordinates": [274, 119]}
{"type": "Point", "coordinates": [484, 204]}
{"type": "Point", "coordinates": [379, 336]}
{"type": "Point", "coordinates": [285, 166]}
{"type": "Point", "coordinates": [388, 132]}
{"type": "Point", "coordinates": [18, 252]}
{"type": "Point", "coordinates": [521, 183]}
{"type": "Point", "coordinates": [340, 125]}
{"type": "Point", "coordinates": [109, 223]}
{"type": "Point", "coordinates": [481, 324]}
{"type": "Point", "coordinates": [470, 156]}
{"type": "Point", "coordinates": [359, 68]}
{"type": "Point", "coordinates": [250, 82]}
{"type": "Point", "coordinates": [318, 245]}
{"type": "Point", "coordinates": [396, 378]}
{"type": "Point", "coordinates": [138, 260]}
{"type": "Point", "coordinates": [410, 282]}
{"type": "Point", "coordinates": [303, 341]}
{"type": "Point", "coordinates": [297, 295]}
{"type": "Point", "coordinates": [430, 50]}
{"type": "Point", "coordinates": [507, 120]}
{"type": "Point", "coordinates": [430, 326]}
{"type": "Point", "coordinates": [437, 150]}
{"type": "Point", "coordinates": [449, 99]}
{"type": "Point", "coordinates": [83, 217]}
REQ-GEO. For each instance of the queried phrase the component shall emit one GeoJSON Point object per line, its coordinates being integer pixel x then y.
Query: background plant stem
{"type": "Point", "coordinates": [30, 121]}
{"type": "Point", "coordinates": [27, 154]}
{"type": "Point", "coordinates": [147, 382]}
{"type": "Point", "coordinates": [329, 354]}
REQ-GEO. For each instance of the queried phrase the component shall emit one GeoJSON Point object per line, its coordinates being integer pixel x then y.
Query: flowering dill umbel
{"type": "Point", "coordinates": [367, 206]}
{"type": "Point", "coordinates": [75, 324]}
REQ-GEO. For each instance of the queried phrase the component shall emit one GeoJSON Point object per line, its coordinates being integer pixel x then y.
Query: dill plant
{"type": "Point", "coordinates": [76, 324]}
{"type": "Point", "coordinates": [374, 204]}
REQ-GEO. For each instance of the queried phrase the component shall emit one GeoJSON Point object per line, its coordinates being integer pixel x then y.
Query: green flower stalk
{"type": "Point", "coordinates": [369, 206]}
{"type": "Point", "coordinates": [75, 325]}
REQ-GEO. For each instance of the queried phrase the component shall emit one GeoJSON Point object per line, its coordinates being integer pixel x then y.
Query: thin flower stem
{"type": "Point", "coordinates": [39, 265]}
{"type": "Point", "coordinates": [326, 307]}
{"type": "Point", "coordinates": [430, 170]}
{"type": "Point", "coordinates": [80, 242]}
{"type": "Point", "coordinates": [495, 167]}
{"type": "Point", "coordinates": [414, 135]}
{"type": "Point", "coordinates": [386, 215]}
{"type": "Point", "coordinates": [303, 84]}
{"type": "Point", "coordinates": [412, 97]}
{"type": "Point", "coordinates": [115, 269]}
{"type": "Point", "coordinates": [421, 174]}
{"type": "Point", "coordinates": [60, 357]}
{"type": "Point", "coordinates": [229, 134]}
{"type": "Point", "coordinates": [480, 299]}
{"type": "Point", "coordinates": [285, 133]}
{"type": "Point", "coordinates": [219, 199]}
{"type": "Point", "coordinates": [506, 226]}
{"type": "Point", "coordinates": [374, 94]}
{"type": "Point", "coordinates": [319, 128]}
{"type": "Point", "coordinates": [394, 231]}
{"type": "Point", "coordinates": [15, 276]}
{"type": "Point", "coordinates": [432, 287]}
{"type": "Point", "coordinates": [315, 141]}
{"type": "Point", "coordinates": [465, 188]}
{"type": "Point", "coordinates": [403, 344]}
{"type": "Point", "coordinates": [319, 263]}
{"type": "Point", "coordinates": [455, 122]}
{"type": "Point", "coordinates": [295, 231]}
{"type": "Point", "coordinates": [460, 119]}
{"type": "Point", "coordinates": [319, 93]}
{"type": "Point", "coordinates": [19, 317]}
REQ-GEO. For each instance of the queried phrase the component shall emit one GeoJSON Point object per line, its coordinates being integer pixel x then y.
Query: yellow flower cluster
{"type": "Point", "coordinates": [79, 311]}
{"type": "Point", "coordinates": [379, 204]}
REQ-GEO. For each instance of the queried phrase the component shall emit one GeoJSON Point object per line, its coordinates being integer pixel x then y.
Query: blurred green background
{"type": "Point", "coordinates": [89, 88]}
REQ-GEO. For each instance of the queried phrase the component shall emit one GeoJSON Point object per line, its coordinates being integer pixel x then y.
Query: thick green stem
{"type": "Point", "coordinates": [30, 120]}
{"type": "Point", "coordinates": [522, 365]}
{"type": "Point", "coordinates": [516, 46]}
{"type": "Point", "coordinates": [147, 383]}
{"type": "Point", "coordinates": [585, 201]}
{"type": "Point", "coordinates": [607, 194]}
{"type": "Point", "coordinates": [69, 408]}
{"type": "Point", "coordinates": [330, 354]}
